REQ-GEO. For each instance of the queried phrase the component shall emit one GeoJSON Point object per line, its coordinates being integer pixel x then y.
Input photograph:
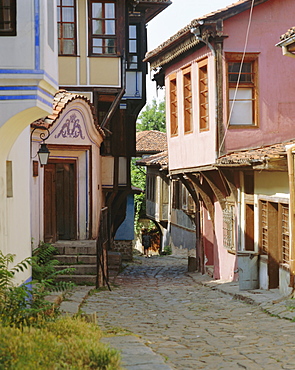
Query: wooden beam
{"type": "Point", "coordinates": [204, 190]}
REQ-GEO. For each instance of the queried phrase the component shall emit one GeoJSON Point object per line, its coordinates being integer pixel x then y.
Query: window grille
{"type": "Point", "coordinates": [229, 228]}
{"type": "Point", "coordinates": [285, 233]}
{"type": "Point", "coordinates": [264, 228]}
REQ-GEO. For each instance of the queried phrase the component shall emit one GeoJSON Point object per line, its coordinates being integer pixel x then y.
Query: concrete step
{"type": "Point", "coordinates": [80, 269]}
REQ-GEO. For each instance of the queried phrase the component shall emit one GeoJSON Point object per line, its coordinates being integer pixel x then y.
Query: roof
{"type": "Point", "coordinates": [60, 101]}
{"type": "Point", "coordinates": [150, 142]}
{"type": "Point", "coordinates": [151, 8]}
{"type": "Point", "coordinates": [159, 159]}
{"type": "Point", "coordinates": [221, 14]}
{"type": "Point", "coordinates": [288, 34]}
{"type": "Point", "coordinates": [255, 156]}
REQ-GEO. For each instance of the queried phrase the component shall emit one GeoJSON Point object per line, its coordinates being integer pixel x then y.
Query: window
{"type": "Point", "coordinates": [242, 90]}
{"type": "Point", "coordinates": [173, 106]}
{"type": "Point", "coordinates": [133, 51]}
{"type": "Point", "coordinates": [66, 27]}
{"type": "Point", "coordinates": [102, 28]}
{"type": "Point", "coordinates": [7, 17]}
{"type": "Point", "coordinates": [203, 95]}
{"type": "Point", "coordinates": [151, 188]}
{"type": "Point", "coordinates": [187, 100]}
{"type": "Point", "coordinates": [274, 226]}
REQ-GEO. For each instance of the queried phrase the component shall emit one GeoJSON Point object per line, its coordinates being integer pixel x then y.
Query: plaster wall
{"type": "Point", "coordinates": [225, 263]}
{"type": "Point", "coordinates": [276, 107]}
{"type": "Point", "coordinates": [271, 183]}
{"type": "Point", "coordinates": [195, 148]}
{"type": "Point", "coordinates": [18, 205]}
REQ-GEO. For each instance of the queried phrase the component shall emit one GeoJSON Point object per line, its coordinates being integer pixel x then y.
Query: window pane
{"type": "Point", "coordinates": [68, 31]}
{"type": "Point", "coordinates": [241, 94]}
{"type": "Point", "coordinates": [132, 46]}
{"type": "Point", "coordinates": [97, 10]}
{"type": "Point", "coordinates": [58, 30]}
{"type": "Point", "coordinates": [109, 10]}
{"type": "Point", "coordinates": [97, 27]}
{"type": "Point", "coordinates": [68, 2]}
{"type": "Point", "coordinates": [110, 46]}
{"type": "Point", "coordinates": [133, 62]}
{"type": "Point", "coordinates": [110, 27]}
{"type": "Point", "coordinates": [97, 46]}
{"type": "Point", "coordinates": [132, 32]}
{"type": "Point", "coordinates": [242, 113]}
{"type": "Point", "coordinates": [68, 47]}
{"type": "Point", "coordinates": [68, 14]}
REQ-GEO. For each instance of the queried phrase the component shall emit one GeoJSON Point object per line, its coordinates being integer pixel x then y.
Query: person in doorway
{"type": "Point", "coordinates": [146, 242]}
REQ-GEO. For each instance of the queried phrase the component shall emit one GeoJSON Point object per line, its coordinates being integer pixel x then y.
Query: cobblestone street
{"type": "Point", "coordinates": [190, 325]}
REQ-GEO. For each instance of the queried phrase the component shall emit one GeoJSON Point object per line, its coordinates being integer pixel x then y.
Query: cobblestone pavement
{"type": "Point", "coordinates": [190, 325]}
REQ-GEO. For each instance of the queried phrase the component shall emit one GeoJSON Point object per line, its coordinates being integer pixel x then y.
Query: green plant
{"type": "Point", "coordinates": [19, 305]}
{"type": "Point", "coordinates": [167, 250]}
{"type": "Point", "coordinates": [67, 343]}
{"type": "Point", "coordinates": [44, 270]}
{"type": "Point", "coordinates": [25, 305]}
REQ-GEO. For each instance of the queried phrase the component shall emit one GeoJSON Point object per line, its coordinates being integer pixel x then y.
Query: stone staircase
{"type": "Point", "coordinates": [80, 254]}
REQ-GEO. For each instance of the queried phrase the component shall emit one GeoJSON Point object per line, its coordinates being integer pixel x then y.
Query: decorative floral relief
{"type": "Point", "coordinates": [71, 128]}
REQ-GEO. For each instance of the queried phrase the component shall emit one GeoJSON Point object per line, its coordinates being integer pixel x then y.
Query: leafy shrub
{"type": "Point", "coordinates": [167, 250]}
{"type": "Point", "coordinates": [67, 343]}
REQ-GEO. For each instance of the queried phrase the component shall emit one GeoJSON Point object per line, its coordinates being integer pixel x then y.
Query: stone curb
{"type": "Point", "coordinates": [270, 301]}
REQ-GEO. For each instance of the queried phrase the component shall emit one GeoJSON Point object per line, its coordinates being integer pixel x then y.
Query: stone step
{"type": "Point", "coordinates": [76, 250]}
{"type": "Point", "coordinates": [73, 260]}
{"type": "Point", "coordinates": [78, 279]}
{"type": "Point", "coordinates": [80, 269]}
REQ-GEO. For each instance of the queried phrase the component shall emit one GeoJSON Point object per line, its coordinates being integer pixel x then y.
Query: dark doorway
{"type": "Point", "coordinates": [59, 202]}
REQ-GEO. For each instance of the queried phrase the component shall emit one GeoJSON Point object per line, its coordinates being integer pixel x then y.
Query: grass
{"type": "Point", "coordinates": [67, 343]}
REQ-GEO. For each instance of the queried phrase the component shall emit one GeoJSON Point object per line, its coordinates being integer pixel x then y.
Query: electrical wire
{"type": "Point", "coordinates": [239, 76]}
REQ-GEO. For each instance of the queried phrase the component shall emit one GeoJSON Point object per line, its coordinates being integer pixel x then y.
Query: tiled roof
{"type": "Point", "coordinates": [151, 142]}
{"type": "Point", "coordinates": [159, 159]}
{"type": "Point", "coordinates": [60, 100]}
{"type": "Point", "coordinates": [223, 13]}
{"type": "Point", "coordinates": [289, 33]}
{"type": "Point", "coordinates": [255, 156]}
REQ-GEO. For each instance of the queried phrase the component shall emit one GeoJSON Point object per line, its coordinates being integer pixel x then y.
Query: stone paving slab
{"type": "Point", "coordinates": [135, 354]}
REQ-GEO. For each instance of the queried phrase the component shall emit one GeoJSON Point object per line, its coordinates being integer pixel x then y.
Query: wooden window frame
{"type": "Point", "coordinates": [134, 65]}
{"type": "Point", "coordinates": [8, 18]}
{"type": "Point", "coordinates": [60, 24]}
{"type": "Point", "coordinates": [173, 105]}
{"type": "Point", "coordinates": [203, 95]}
{"type": "Point", "coordinates": [253, 85]}
{"type": "Point", "coordinates": [187, 100]}
{"type": "Point", "coordinates": [103, 36]}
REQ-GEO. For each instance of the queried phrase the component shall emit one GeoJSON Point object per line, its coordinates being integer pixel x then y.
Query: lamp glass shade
{"type": "Point", "coordinates": [43, 154]}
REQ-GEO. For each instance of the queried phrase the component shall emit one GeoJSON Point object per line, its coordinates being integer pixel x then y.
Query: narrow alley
{"type": "Point", "coordinates": [190, 325]}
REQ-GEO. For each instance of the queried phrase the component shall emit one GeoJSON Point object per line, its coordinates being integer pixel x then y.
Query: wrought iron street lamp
{"type": "Point", "coordinates": [43, 152]}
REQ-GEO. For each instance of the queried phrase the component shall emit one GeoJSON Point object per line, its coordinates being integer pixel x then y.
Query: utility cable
{"type": "Point", "coordinates": [239, 75]}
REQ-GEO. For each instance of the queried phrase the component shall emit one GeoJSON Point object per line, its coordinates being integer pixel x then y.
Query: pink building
{"type": "Point", "coordinates": [228, 91]}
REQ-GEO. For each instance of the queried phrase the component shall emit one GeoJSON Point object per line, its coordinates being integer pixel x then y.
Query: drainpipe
{"type": "Point", "coordinates": [197, 34]}
{"type": "Point", "coordinates": [290, 159]}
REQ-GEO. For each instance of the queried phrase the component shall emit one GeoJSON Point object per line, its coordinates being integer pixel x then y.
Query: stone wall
{"type": "Point", "coordinates": [125, 247]}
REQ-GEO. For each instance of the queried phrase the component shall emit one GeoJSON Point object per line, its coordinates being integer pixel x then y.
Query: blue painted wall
{"type": "Point", "coordinates": [126, 230]}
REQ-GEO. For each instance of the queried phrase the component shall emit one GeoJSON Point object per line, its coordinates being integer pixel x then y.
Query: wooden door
{"type": "Point", "coordinates": [59, 202]}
